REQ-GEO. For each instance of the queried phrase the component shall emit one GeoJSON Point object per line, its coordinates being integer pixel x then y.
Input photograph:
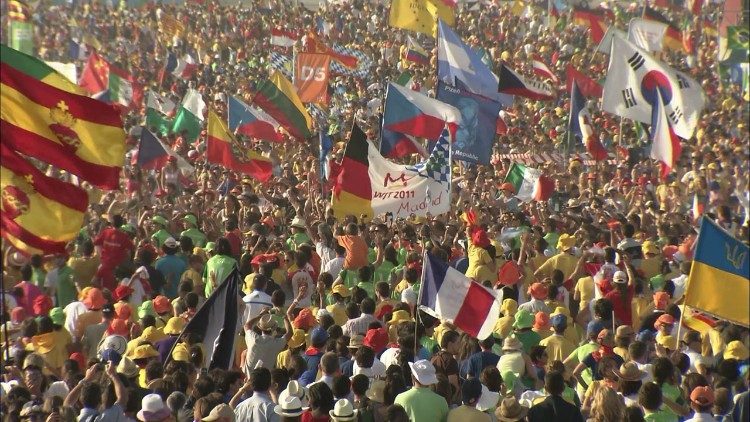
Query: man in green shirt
{"type": "Point", "coordinates": [161, 234]}
{"type": "Point", "coordinates": [650, 398]}
{"type": "Point", "coordinates": [420, 402]}
{"type": "Point", "coordinates": [299, 233]}
{"type": "Point", "coordinates": [191, 230]}
{"type": "Point", "coordinates": [580, 353]}
{"type": "Point", "coordinates": [59, 282]}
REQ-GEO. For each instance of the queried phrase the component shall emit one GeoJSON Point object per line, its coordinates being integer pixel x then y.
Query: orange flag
{"type": "Point", "coordinates": [311, 72]}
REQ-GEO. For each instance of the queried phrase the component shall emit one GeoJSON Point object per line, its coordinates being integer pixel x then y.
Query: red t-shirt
{"type": "Point", "coordinates": [622, 309]}
{"type": "Point", "coordinates": [308, 417]}
{"type": "Point", "coordinates": [116, 246]}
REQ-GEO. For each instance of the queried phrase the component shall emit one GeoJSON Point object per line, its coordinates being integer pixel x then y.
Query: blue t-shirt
{"type": "Point", "coordinates": [171, 267]}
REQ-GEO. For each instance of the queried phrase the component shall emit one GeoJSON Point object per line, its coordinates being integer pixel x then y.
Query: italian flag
{"type": "Point", "coordinates": [158, 108]}
{"type": "Point", "coordinates": [189, 117]}
{"type": "Point", "coordinates": [529, 183]}
{"type": "Point", "coordinates": [122, 89]}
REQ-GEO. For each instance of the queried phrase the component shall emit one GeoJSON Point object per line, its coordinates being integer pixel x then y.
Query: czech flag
{"type": "Point", "coordinates": [152, 154]}
{"type": "Point", "coordinates": [412, 113]}
{"type": "Point", "coordinates": [512, 83]}
{"type": "Point", "coordinates": [253, 122]}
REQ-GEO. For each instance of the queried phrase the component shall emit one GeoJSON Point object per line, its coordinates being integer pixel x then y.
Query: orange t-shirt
{"type": "Point", "coordinates": [356, 251]}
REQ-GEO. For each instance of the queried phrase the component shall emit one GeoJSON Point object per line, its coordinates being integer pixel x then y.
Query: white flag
{"type": "Point", "coordinates": [634, 79]}
{"type": "Point", "coordinates": [159, 103]}
{"type": "Point", "coordinates": [605, 45]}
{"type": "Point", "coordinates": [649, 35]}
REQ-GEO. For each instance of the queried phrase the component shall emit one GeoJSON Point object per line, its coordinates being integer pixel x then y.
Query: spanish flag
{"type": "Point", "coordinates": [40, 214]}
{"type": "Point", "coordinates": [224, 149]}
{"type": "Point", "coordinates": [37, 69]}
{"type": "Point", "coordinates": [72, 132]}
{"type": "Point", "coordinates": [278, 97]}
{"type": "Point", "coordinates": [352, 192]}
{"type": "Point", "coordinates": [718, 283]}
{"type": "Point", "coordinates": [420, 15]}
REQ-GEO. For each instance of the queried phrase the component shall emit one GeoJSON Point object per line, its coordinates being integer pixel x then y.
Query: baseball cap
{"type": "Point", "coordinates": [702, 396]}
{"type": "Point", "coordinates": [111, 355]}
{"type": "Point", "coordinates": [620, 277]}
{"type": "Point", "coordinates": [318, 335]}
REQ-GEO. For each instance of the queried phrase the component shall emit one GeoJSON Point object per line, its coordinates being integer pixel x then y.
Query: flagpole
{"type": "Point", "coordinates": [419, 300]}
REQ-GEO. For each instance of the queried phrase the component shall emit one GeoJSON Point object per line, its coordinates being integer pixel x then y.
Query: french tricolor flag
{"type": "Point", "coordinates": [283, 38]}
{"type": "Point", "coordinates": [579, 125]}
{"type": "Point", "coordinates": [512, 83]}
{"type": "Point", "coordinates": [447, 294]}
{"type": "Point", "coordinates": [252, 122]}
{"type": "Point", "coordinates": [181, 68]}
{"type": "Point", "coordinates": [542, 70]}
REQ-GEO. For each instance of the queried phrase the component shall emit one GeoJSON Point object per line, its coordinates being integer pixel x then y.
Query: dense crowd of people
{"type": "Point", "coordinates": [331, 330]}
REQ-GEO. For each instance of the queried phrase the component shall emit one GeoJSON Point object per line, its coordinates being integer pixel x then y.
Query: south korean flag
{"type": "Point", "coordinates": [634, 79]}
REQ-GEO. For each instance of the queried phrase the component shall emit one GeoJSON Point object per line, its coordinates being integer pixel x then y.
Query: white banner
{"type": "Point", "coordinates": [649, 35]}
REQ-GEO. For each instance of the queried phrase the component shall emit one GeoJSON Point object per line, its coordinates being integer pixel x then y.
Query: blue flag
{"type": "Point", "coordinates": [458, 62]}
{"type": "Point", "coordinates": [476, 131]}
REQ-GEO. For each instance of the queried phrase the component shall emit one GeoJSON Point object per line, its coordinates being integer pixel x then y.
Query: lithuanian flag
{"type": "Point", "coordinates": [224, 149]}
{"type": "Point", "coordinates": [278, 97]}
{"type": "Point", "coordinates": [352, 192]}
{"type": "Point", "coordinates": [39, 214]}
{"type": "Point", "coordinates": [72, 132]}
{"type": "Point", "coordinates": [37, 69]}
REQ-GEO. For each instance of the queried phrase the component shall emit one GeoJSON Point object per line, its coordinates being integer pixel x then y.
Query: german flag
{"type": "Point", "coordinates": [595, 20]}
{"type": "Point", "coordinates": [352, 191]}
{"type": "Point", "coordinates": [223, 148]}
{"type": "Point", "coordinates": [278, 97]}
{"type": "Point", "coordinates": [673, 36]}
{"type": "Point", "coordinates": [72, 132]}
{"type": "Point", "coordinates": [40, 214]}
{"type": "Point", "coordinates": [37, 69]}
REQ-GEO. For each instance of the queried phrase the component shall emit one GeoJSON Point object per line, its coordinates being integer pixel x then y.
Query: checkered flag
{"type": "Point", "coordinates": [318, 113]}
{"type": "Point", "coordinates": [363, 63]}
{"type": "Point", "coordinates": [437, 166]}
{"type": "Point", "coordinates": [282, 63]}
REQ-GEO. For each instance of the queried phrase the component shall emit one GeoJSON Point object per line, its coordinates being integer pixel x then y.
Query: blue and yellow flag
{"type": "Point", "coordinates": [718, 282]}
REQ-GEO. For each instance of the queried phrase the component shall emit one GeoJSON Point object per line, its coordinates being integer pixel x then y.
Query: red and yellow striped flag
{"type": "Point", "coordinates": [72, 132]}
{"type": "Point", "coordinates": [222, 148]}
{"type": "Point", "coordinates": [40, 214]}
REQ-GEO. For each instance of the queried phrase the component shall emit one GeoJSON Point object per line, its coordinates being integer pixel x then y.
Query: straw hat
{"type": "Point", "coordinates": [629, 371]}
{"type": "Point", "coordinates": [510, 410]}
{"type": "Point", "coordinates": [343, 411]}
{"type": "Point", "coordinates": [511, 344]}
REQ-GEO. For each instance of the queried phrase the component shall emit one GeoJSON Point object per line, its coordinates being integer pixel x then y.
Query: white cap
{"type": "Point", "coordinates": [170, 242]}
{"type": "Point", "coordinates": [620, 277]}
{"type": "Point", "coordinates": [424, 372]}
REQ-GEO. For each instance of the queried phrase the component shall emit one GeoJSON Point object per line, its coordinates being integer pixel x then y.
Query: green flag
{"type": "Point", "coordinates": [21, 36]}
{"type": "Point", "coordinates": [404, 78]}
{"type": "Point", "coordinates": [738, 38]}
{"type": "Point", "coordinates": [157, 122]}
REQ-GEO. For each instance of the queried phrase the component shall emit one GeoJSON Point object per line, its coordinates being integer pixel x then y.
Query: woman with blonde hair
{"type": "Point", "coordinates": [608, 406]}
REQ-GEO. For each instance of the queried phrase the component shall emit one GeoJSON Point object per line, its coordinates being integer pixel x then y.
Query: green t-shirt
{"type": "Point", "coordinates": [429, 344]}
{"type": "Point", "coordinates": [673, 393]}
{"type": "Point", "coordinates": [221, 266]}
{"type": "Point", "coordinates": [66, 289]}
{"type": "Point", "coordinates": [383, 272]}
{"type": "Point", "coordinates": [297, 239]}
{"type": "Point", "coordinates": [660, 416]}
{"type": "Point", "coordinates": [423, 405]}
{"type": "Point", "coordinates": [37, 277]}
{"type": "Point", "coordinates": [368, 287]}
{"type": "Point", "coordinates": [199, 239]}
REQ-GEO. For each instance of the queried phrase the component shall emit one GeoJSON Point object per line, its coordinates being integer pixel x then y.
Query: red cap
{"type": "Point", "coordinates": [162, 305]}
{"type": "Point", "coordinates": [42, 305]}
{"type": "Point", "coordinates": [122, 291]}
{"type": "Point", "coordinates": [376, 339]}
{"type": "Point", "coordinates": [118, 327]}
{"type": "Point", "coordinates": [703, 396]}
{"type": "Point", "coordinates": [538, 291]}
{"type": "Point", "coordinates": [305, 320]}
{"type": "Point", "coordinates": [665, 319]}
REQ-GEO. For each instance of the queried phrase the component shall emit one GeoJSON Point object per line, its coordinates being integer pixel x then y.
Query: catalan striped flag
{"type": "Point", "coordinates": [224, 149]}
{"type": "Point", "coordinates": [277, 97]}
{"type": "Point", "coordinates": [40, 214]}
{"type": "Point", "coordinates": [72, 132]}
{"type": "Point", "coordinates": [718, 283]}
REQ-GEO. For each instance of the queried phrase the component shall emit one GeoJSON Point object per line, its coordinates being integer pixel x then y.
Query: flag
{"type": "Point", "coordinates": [277, 97]}
{"type": "Point", "coordinates": [587, 86]}
{"type": "Point", "coordinates": [21, 36]}
{"type": "Point", "coordinates": [512, 83]}
{"type": "Point", "coordinates": [694, 6]}
{"type": "Point", "coordinates": [283, 38]}
{"type": "Point", "coordinates": [217, 323]}
{"type": "Point", "coordinates": [696, 320]}
{"type": "Point", "coordinates": [594, 20]}
{"type": "Point", "coordinates": [411, 113]}
{"type": "Point", "coordinates": [699, 206]}
{"type": "Point", "coordinates": [420, 15]}
{"type": "Point", "coordinates": [253, 122]}
{"type": "Point", "coordinates": [718, 283]}
{"type": "Point", "coordinates": [40, 214]}
{"type": "Point", "coordinates": [152, 154]}
{"type": "Point", "coordinates": [447, 294]}
{"type": "Point", "coordinates": [95, 75]}
{"type": "Point", "coordinates": [157, 110]}
{"type": "Point", "coordinates": [542, 70]}
{"type": "Point", "coordinates": [665, 145]}
{"type": "Point", "coordinates": [183, 68]}
{"type": "Point", "coordinates": [476, 129]}
{"type": "Point", "coordinates": [66, 69]}
{"type": "Point", "coordinates": [361, 70]}
{"type": "Point", "coordinates": [605, 46]}
{"type": "Point", "coordinates": [501, 126]}
{"type": "Point", "coordinates": [579, 124]}
{"type": "Point", "coordinates": [738, 38]}
{"type": "Point", "coordinates": [398, 145]}
{"type": "Point", "coordinates": [311, 73]}
{"type": "Point", "coordinates": [189, 117]}
{"type": "Point", "coordinates": [123, 90]}
{"type": "Point", "coordinates": [18, 11]}
{"type": "Point", "coordinates": [78, 51]}
{"type": "Point", "coordinates": [326, 144]}
{"type": "Point", "coordinates": [633, 80]}
{"type": "Point", "coordinates": [315, 45]}
{"type": "Point", "coordinates": [646, 34]}
{"type": "Point", "coordinates": [37, 69]}
{"type": "Point", "coordinates": [529, 183]}
{"type": "Point", "coordinates": [673, 34]}
{"type": "Point", "coordinates": [170, 26]}
{"type": "Point", "coordinates": [222, 148]}
{"type": "Point", "coordinates": [415, 53]}
{"type": "Point", "coordinates": [458, 62]}
{"type": "Point", "coordinates": [369, 184]}
{"type": "Point", "coordinates": [72, 132]}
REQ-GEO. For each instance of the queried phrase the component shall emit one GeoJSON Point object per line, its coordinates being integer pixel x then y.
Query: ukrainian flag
{"type": "Point", "coordinates": [719, 282]}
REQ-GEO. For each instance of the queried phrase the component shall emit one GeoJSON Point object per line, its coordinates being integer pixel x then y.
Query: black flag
{"type": "Point", "coordinates": [217, 323]}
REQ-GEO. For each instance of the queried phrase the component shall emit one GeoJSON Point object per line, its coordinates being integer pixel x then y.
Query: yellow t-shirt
{"type": "Point", "coordinates": [558, 347]}
{"type": "Point", "coordinates": [563, 262]}
{"type": "Point", "coordinates": [585, 289]}
{"type": "Point", "coordinates": [338, 311]}
{"type": "Point", "coordinates": [651, 266]}
{"type": "Point", "coordinates": [480, 265]}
